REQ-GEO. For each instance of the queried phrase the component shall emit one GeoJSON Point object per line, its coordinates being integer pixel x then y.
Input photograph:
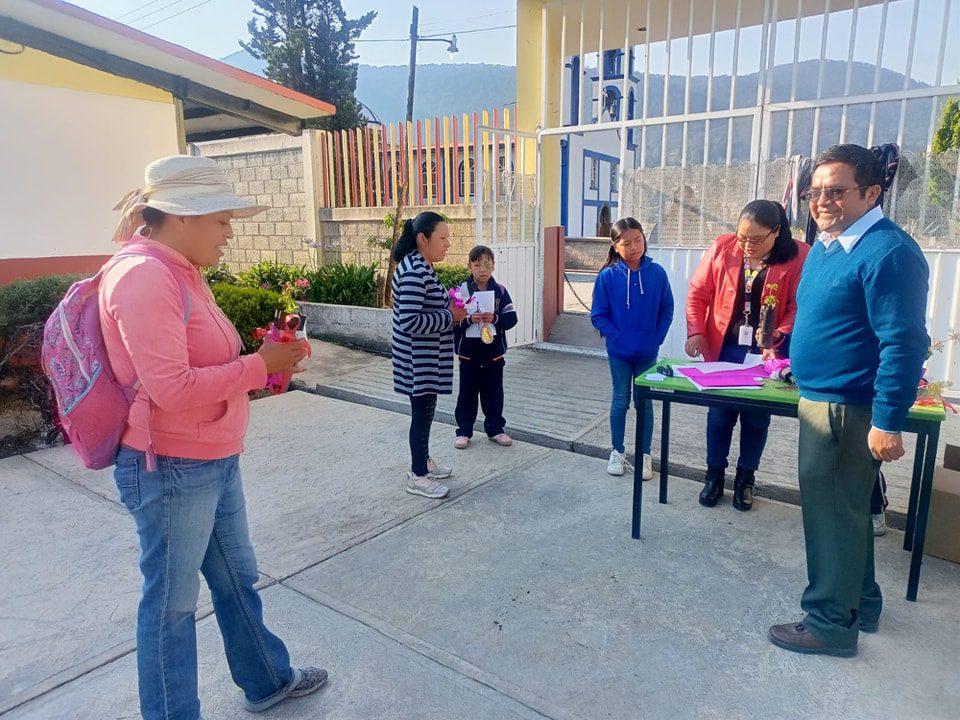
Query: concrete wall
{"type": "Point", "coordinates": [368, 328]}
{"type": "Point", "coordinates": [73, 141]}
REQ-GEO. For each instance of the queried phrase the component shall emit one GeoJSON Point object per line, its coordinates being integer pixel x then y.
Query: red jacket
{"type": "Point", "coordinates": [713, 292]}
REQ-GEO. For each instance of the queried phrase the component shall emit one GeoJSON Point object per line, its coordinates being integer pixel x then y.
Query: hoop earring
{"type": "Point", "coordinates": [145, 231]}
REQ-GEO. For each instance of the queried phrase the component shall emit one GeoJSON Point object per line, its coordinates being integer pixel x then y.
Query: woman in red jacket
{"type": "Point", "coordinates": [735, 278]}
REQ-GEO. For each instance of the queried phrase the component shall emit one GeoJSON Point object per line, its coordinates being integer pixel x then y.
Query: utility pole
{"type": "Point", "coordinates": [414, 30]}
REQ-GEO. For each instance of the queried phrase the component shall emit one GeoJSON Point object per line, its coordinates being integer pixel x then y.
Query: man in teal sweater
{"type": "Point", "coordinates": [857, 351]}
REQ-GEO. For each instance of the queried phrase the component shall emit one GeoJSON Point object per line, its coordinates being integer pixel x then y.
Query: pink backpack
{"type": "Point", "coordinates": [93, 405]}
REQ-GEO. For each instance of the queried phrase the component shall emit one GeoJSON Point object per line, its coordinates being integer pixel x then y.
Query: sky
{"type": "Point", "coordinates": [215, 27]}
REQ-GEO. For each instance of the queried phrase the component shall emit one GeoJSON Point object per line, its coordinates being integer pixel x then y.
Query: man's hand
{"type": "Point", "coordinates": [885, 446]}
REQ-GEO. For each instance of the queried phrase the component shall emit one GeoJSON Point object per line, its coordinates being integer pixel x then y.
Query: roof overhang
{"type": "Point", "coordinates": [670, 19]}
{"type": "Point", "coordinates": [219, 99]}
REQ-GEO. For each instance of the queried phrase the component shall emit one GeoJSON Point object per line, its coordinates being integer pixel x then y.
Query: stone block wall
{"type": "Point", "coordinates": [269, 171]}
{"type": "Point", "coordinates": [345, 233]}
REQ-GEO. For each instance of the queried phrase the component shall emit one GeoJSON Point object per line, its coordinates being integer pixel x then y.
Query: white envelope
{"type": "Point", "coordinates": [485, 301]}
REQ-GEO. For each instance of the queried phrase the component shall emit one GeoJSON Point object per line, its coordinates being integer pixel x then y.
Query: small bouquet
{"type": "Point", "coordinates": [286, 327]}
{"type": "Point", "coordinates": [930, 394]}
{"type": "Point", "coordinates": [456, 294]}
{"type": "Point", "coordinates": [768, 319]}
{"type": "Point", "coordinates": [779, 369]}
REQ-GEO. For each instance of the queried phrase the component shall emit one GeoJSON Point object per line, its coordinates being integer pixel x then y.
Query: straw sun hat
{"type": "Point", "coordinates": [181, 185]}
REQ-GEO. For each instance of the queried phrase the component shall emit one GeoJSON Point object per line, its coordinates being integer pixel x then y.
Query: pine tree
{"type": "Point", "coordinates": [943, 165]}
{"type": "Point", "coordinates": [947, 136]}
{"type": "Point", "coordinates": [309, 46]}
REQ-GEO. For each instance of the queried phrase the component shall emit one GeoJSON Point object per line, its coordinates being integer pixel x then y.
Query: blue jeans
{"type": "Point", "coordinates": [191, 517]}
{"type": "Point", "coordinates": [754, 425]}
{"type": "Point", "coordinates": [622, 374]}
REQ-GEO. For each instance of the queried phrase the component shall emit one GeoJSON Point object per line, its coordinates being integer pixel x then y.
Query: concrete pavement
{"type": "Point", "coordinates": [562, 400]}
{"type": "Point", "coordinates": [522, 596]}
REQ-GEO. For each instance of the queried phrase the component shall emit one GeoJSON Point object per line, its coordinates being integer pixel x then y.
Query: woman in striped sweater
{"type": "Point", "coordinates": [423, 318]}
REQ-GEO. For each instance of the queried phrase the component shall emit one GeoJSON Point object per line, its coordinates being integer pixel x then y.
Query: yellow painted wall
{"type": "Point", "coordinates": [40, 68]}
{"type": "Point", "coordinates": [532, 107]}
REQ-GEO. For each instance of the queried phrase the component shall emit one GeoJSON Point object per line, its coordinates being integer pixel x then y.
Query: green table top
{"type": "Point", "coordinates": [772, 391]}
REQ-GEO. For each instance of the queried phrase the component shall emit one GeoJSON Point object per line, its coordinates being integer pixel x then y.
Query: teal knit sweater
{"type": "Point", "coordinates": [860, 336]}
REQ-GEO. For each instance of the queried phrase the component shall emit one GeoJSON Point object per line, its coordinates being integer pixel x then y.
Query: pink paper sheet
{"type": "Point", "coordinates": [747, 377]}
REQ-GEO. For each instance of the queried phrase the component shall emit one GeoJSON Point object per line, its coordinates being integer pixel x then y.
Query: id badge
{"type": "Point", "coordinates": [746, 335]}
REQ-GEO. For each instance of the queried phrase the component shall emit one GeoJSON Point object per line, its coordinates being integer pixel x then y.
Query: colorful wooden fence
{"type": "Point", "coordinates": [432, 159]}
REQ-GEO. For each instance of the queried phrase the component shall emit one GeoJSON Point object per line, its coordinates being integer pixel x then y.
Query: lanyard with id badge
{"type": "Point", "coordinates": [749, 276]}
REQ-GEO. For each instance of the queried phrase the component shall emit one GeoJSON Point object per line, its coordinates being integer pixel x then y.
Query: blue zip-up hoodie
{"type": "Point", "coordinates": [633, 310]}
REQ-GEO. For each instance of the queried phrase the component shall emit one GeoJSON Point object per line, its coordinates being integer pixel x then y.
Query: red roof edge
{"type": "Point", "coordinates": [183, 53]}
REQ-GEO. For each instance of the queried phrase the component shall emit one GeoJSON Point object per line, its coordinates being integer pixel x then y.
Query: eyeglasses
{"type": "Point", "coordinates": [664, 370]}
{"type": "Point", "coordinates": [753, 240]}
{"type": "Point", "coordinates": [833, 194]}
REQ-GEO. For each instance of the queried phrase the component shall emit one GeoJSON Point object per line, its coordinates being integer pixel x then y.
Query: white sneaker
{"type": "Point", "coordinates": [879, 524]}
{"type": "Point", "coordinates": [437, 472]}
{"type": "Point", "coordinates": [616, 463]}
{"type": "Point", "coordinates": [647, 467]}
{"type": "Point", "coordinates": [425, 486]}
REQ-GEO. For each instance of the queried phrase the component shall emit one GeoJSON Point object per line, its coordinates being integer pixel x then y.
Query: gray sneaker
{"type": "Point", "coordinates": [437, 472]}
{"type": "Point", "coordinates": [426, 486]}
{"type": "Point", "coordinates": [879, 524]}
{"type": "Point", "coordinates": [305, 681]}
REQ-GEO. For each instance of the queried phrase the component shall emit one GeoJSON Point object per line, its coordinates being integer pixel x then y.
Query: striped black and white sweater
{"type": "Point", "coordinates": [422, 348]}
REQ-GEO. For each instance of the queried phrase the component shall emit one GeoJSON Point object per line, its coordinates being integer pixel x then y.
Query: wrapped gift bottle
{"type": "Point", "coordinates": [767, 326]}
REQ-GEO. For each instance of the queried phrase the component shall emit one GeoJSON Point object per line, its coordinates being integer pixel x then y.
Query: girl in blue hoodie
{"type": "Point", "coordinates": [632, 309]}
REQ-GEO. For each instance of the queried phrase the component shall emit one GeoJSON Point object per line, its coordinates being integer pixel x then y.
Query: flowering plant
{"type": "Point", "coordinates": [293, 291]}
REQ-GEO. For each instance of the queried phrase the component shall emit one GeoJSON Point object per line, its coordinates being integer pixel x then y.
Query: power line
{"type": "Point", "coordinates": [186, 10]}
{"type": "Point", "coordinates": [152, 12]}
{"type": "Point", "coordinates": [468, 32]}
{"type": "Point", "coordinates": [455, 32]}
{"type": "Point", "coordinates": [474, 17]}
{"type": "Point", "coordinates": [137, 9]}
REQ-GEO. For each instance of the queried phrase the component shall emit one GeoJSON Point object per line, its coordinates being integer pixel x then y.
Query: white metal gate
{"type": "Point", "coordinates": [507, 181]}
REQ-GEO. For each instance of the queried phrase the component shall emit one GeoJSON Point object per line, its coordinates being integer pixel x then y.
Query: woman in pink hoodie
{"type": "Point", "coordinates": [177, 470]}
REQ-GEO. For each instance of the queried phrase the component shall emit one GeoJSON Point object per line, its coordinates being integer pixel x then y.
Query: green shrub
{"type": "Point", "coordinates": [452, 275]}
{"type": "Point", "coordinates": [270, 275]}
{"type": "Point", "coordinates": [219, 274]}
{"type": "Point", "coordinates": [23, 302]}
{"type": "Point", "coordinates": [343, 284]}
{"type": "Point", "coordinates": [247, 308]}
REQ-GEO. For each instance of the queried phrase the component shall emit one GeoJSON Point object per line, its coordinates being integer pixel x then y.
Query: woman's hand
{"type": "Point", "coordinates": [459, 313]}
{"type": "Point", "coordinates": [768, 353]}
{"type": "Point", "coordinates": [281, 357]}
{"type": "Point", "coordinates": [486, 317]}
{"type": "Point", "coordinates": [694, 346]}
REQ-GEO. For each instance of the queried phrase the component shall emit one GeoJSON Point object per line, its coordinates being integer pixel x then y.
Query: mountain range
{"type": "Point", "coordinates": [465, 88]}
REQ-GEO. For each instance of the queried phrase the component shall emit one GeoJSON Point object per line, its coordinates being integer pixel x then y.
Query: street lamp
{"type": "Point", "coordinates": [414, 39]}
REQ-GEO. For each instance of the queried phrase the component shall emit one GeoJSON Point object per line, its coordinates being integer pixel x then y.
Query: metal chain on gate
{"type": "Point", "coordinates": [570, 285]}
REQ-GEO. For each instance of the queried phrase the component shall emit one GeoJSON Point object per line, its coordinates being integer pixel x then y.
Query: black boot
{"type": "Point", "coordinates": [743, 489]}
{"type": "Point", "coordinates": [713, 486]}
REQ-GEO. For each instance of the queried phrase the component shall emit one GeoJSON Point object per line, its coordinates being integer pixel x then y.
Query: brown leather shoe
{"type": "Point", "coordinates": [796, 638]}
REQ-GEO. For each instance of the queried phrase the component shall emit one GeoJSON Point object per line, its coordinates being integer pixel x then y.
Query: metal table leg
{"type": "Point", "coordinates": [915, 490]}
{"type": "Point", "coordinates": [638, 463]}
{"type": "Point", "coordinates": [664, 449]}
{"type": "Point", "coordinates": [923, 507]}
